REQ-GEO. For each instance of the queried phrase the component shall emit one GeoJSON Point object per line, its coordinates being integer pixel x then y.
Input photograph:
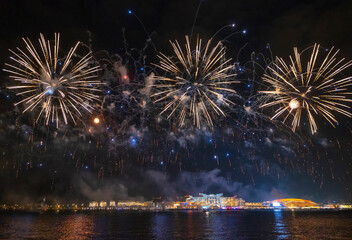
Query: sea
{"type": "Point", "coordinates": [261, 224]}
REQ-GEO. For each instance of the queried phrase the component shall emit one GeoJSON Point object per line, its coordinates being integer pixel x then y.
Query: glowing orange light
{"type": "Point", "coordinates": [96, 120]}
{"type": "Point", "coordinates": [124, 76]}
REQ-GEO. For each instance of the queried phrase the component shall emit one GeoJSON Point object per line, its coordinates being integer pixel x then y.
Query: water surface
{"type": "Point", "coordinates": [178, 225]}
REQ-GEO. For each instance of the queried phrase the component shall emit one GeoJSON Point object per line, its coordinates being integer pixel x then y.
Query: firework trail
{"type": "Point", "coordinates": [314, 90]}
{"type": "Point", "coordinates": [196, 85]}
{"type": "Point", "coordinates": [56, 87]}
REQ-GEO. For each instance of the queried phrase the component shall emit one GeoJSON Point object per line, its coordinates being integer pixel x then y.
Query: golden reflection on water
{"type": "Point", "coordinates": [78, 226]}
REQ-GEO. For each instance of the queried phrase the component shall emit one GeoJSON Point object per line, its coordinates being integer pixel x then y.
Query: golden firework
{"type": "Point", "coordinates": [314, 89]}
{"type": "Point", "coordinates": [196, 85]}
{"type": "Point", "coordinates": [56, 87]}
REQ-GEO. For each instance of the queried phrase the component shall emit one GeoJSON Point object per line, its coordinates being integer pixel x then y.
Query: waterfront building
{"type": "Point", "coordinates": [213, 201]}
{"type": "Point", "coordinates": [112, 204]}
{"type": "Point", "coordinates": [93, 204]}
{"type": "Point", "coordinates": [294, 203]}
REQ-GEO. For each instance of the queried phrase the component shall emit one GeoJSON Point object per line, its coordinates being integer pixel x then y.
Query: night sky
{"type": "Point", "coordinates": [133, 155]}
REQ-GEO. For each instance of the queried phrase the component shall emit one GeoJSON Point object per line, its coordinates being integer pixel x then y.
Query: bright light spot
{"type": "Point", "coordinates": [96, 120]}
{"type": "Point", "coordinates": [215, 157]}
{"type": "Point", "coordinates": [244, 31]}
{"type": "Point", "coordinates": [125, 76]}
{"type": "Point", "coordinates": [220, 97]}
{"type": "Point", "coordinates": [294, 104]}
{"type": "Point", "coordinates": [142, 69]}
{"type": "Point", "coordinates": [129, 12]}
{"type": "Point", "coordinates": [233, 25]}
{"type": "Point", "coordinates": [276, 204]}
{"type": "Point", "coordinates": [161, 163]}
{"type": "Point", "coordinates": [227, 154]}
{"type": "Point", "coordinates": [50, 91]}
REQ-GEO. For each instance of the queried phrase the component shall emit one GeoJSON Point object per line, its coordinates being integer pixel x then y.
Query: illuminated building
{"type": "Point", "coordinates": [112, 204]}
{"type": "Point", "coordinates": [293, 203]}
{"type": "Point", "coordinates": [93, 204]}
{"type": "Point", "coordinates": [103, 204]}
{"type": "Point", "coordinates": [214, 201]}
{"type": "Point", "coordinates": [232, 202]}
{"type": "Point", "coordinates": [253, 205]}
{"type": "Point", "coordinates": [345, 206]}
{"type": "Point", "coordinates": [211, 200]}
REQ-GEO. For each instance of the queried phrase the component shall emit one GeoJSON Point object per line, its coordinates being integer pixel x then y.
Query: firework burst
{"type": "Point", "coordinates": [58, 88]}
{"type": "Point", "coordinates": [312, 90]}
{"type": "Point", "coordinates": [195, 86]}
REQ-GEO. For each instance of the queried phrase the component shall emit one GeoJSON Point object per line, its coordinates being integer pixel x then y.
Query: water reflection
{"type": "Point", "coordinates": [178, 225]}
{"type": "Point", "coordinates": [78, 226]}
{"type": "Point", "coordinates": [279, 225]}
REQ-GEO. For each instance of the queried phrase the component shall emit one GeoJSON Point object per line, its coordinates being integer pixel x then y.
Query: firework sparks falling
{"type": "Point", "coordinates": [57, 88]}
{"type": "Point", "coordinates": [196, 85]}
{"type": "Point", "coordinates": [312, 90]}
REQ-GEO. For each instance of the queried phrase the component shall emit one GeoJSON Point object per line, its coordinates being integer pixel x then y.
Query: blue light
{"type": "Point", "coordinates": [7, 96]}
{"type": "Point", "coordinates": [244, 31]}
{"type": "Point", "coordinates": [142, 69]}
{"type": "Point", "coordinates": [50, 91]}
{"type": "Point", "coordinates": [337, 123]}
{"type": "Point", "coordinates": [227, 154]}
{"type": "Point", "coordinates": [172, 151]}
{"type": "Point", "coordinates": [86, 167]}
{"type": "Point", "coordinates": [129, 12]}
{"type": "Point", "coordinates": [108, 91]}
{"type": "Point", "coordinates": [112, 140]}
{"type": "Point", "coordinates": [133, 141]}
{"type": "Point", "coordinates": [161, 163]}
{"type": "Point", "coordinates": [40, 165]}
{"type": "Point", "coordinates": [326, 50]}
{"type": "Point", "coordinates": [276, 204]}
{"type": "Point", "coordinates": [210, 140]}
{"type": "Point", "coordinates": [215, 157]}
{"type": "Point", "coordinates": [249, 85]}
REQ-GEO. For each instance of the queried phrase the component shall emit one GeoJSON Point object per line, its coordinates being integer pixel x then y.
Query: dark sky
{"type": "Point", "coordinates": [316, 167]}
